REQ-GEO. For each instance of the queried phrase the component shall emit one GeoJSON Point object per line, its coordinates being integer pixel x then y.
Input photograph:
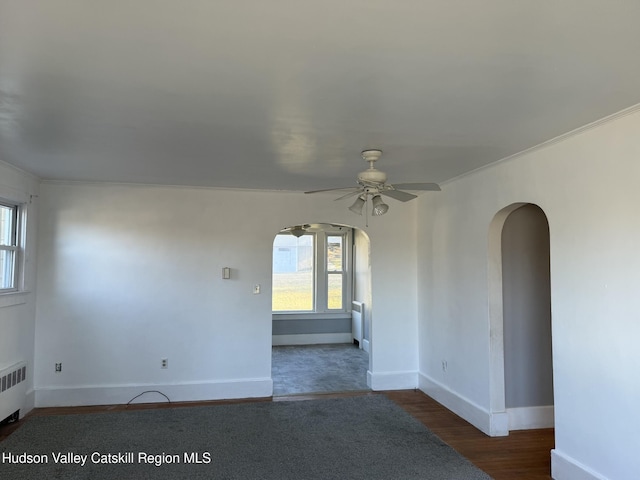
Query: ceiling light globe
{"type": "Point", "coordinates": [379, 207]}
{"type": "Point", "coordinates": [358, 205]}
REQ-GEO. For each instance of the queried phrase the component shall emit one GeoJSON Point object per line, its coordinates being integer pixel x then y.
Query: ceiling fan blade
{"type": "Point", "coordinates": [399, 195]}
{"type": "Point", "coordinates": [331, 189]}
{"type": "Point", "coordinates": [350, 194]}
{"type": "Point", "coordinates": [418, 186]}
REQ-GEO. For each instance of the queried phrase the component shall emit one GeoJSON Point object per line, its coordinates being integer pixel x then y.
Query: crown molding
{"type": "Point", "coordinates": [560, 138]}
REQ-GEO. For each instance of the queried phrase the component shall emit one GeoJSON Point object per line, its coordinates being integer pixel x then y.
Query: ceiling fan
{"type": "Point", "coordinates": [299, 230]}
{"type": "Point", "coordinates": [373, 183]}
{"type": "Point", "coordinates": [296, 230]}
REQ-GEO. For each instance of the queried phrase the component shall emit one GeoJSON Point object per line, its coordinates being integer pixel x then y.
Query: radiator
{"type": "Point", "coordinates": [357, 319]}
{"type": "Point", "coordinates": [13, 389]}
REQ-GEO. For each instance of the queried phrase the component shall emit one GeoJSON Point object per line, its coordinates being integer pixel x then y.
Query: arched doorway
{"type": "Point", "coordinates": [321, 283]}
{"type": "Point", "coordinates": [520, 320]}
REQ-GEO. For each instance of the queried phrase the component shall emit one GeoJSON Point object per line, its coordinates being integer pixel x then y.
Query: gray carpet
{"type": "Point", "coordinates": [363, 437]}
{"type": "Point", "coordinates": [318, 369]}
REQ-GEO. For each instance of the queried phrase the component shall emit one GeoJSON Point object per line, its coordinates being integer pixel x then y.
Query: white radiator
{"type": "Point", "coordinates": [357, 321]}
{"type": "Point", "coordinates": [13, 389]}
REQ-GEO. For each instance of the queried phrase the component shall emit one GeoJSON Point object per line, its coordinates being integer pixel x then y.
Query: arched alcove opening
{"type": "Point", "coordinates": [320, 309]}
{"type": "Point", "coordinates": [520, 320]}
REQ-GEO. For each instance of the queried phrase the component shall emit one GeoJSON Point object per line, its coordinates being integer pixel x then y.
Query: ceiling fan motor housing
{"type": "Point", "coordinates": [372, 175]}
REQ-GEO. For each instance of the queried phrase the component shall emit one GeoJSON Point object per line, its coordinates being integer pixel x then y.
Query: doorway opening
{"type": "Point", "coordinates": [520, 320]}
{"type": "Point", "coordinates": [320, 309]}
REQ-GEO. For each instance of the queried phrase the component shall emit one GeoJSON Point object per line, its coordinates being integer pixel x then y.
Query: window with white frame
{"type": "Point", "coordinates": [310, 272]}
{"type": "Point", "coordinates": [9, 247]}
{"type": "Point", "coordinates": [293, 273]}
{"type": "Point", "coordinates": [335, 271]}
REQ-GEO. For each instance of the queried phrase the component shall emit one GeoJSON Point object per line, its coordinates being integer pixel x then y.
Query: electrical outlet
{"type": "Point", "coordinates": [164, 363]}
{"type": "Point", "coordinates": [444, 366]}
{"type": "Point", "coordinates": [256, 289]}
{"type": "Point", "coordinates": [58, 367]}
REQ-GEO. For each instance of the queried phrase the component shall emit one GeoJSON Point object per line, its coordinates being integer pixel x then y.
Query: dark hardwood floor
{"type": "Point", "coordinates": [523, 455]}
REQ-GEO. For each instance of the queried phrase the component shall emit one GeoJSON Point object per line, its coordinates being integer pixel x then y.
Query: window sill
{"type": "Point", "coordinates": [308, 315]}
{"type": "Point", "coordinates": [11, 299]}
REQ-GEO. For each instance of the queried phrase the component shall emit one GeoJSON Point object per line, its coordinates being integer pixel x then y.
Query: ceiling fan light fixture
{"type": "Point", "coordinates": [373, 182]}
{"type": "Point", "coordinates": [358, 205]}
{"type": "Point", "coordinates": [379, 207]}
{"type": "Point", "coordinates": [298, 231]}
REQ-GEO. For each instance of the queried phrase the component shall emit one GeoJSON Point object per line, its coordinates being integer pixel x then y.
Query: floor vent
{"type": "Point", "coordinates": [12, 390]}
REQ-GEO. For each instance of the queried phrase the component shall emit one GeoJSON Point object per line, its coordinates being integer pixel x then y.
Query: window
{"type": "Point", "coordinates": [8, 247]}
{"type": "Point", "coordinates": [335, 272]}
{"type": "Point", "coordinates": [293, 273]}
{"type": "Point", "coordinates": [310, 273]}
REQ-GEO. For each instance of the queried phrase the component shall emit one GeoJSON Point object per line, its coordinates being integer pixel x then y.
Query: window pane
{"type": "Point", "coordinates": [334, 292]}
{"type": "Point", "coordinates": [334, 254]}
{"type": "Point", "coordinates": [7, 219]}
{"type": "Point", "coordinates": [7, 268]}
{"type": "Point", "coordinates": [293, 273]}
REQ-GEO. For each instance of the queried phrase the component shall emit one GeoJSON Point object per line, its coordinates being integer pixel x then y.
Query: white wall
{"type": "Point", "coordinates": [17, 310]}
{"type": "Point", "coordinates": [587, 185]}
{"type": "Point", "coordinates": [132, 274]}
{"type": "Point", "coordinates": [362, 281]}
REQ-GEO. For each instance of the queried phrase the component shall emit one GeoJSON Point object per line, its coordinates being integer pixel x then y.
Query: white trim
{"type": "Point", "coordinates": [19, 170]}
{"type": "Point", "coordinates": [392, 380]}
{"type": "Point", "coordinates": [496, 314]}
{"type": "Point", "coordinates": [29, 402]}
{"type": "Point", "coordinates": [366, 346]}
{"type": "Point", "coordinates": [528, 418]}
{"type": "Point", "coordinates": [11, 299]}
{"type": "Point", "coordinates": [98, 183]}
{"type": "Point", "coordinates": [182, 392]}
{"type": "Point", "coordinates": [493, 424]}
{"type": "Point", "coordinates": [310, 339]}
{"type": "Point", "coordinates": [310, 315]}
{"type": "Point", "coordinates": [564, 467]}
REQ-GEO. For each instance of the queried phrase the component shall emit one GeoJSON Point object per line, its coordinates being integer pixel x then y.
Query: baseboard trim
{"type": "Point", "coordinates": [392, 380]}
{"type": "Point", "coordinates": [564, 467]}
{"type": "Point", "coordinates": [366, 346]}
{"type": "Point", "coordinates": [122, 394]}
{"type": "Point", "coordinates": [29, 402]}
{"type": "Point", "coordinates": [310, 339]}
{"type": "Point", "coordinates": [493, 424]}
{"type": "Point", "coordinates": [527, 418]}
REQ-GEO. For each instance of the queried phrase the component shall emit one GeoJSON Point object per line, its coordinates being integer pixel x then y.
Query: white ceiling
{"type": "Point", "coordinates": [284, 94]}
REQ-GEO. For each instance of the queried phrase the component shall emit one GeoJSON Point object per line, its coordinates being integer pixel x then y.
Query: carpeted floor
{"type": "Point", "coordinates": [318, 369]}
{"type": "Point", "coordinates": [362, 437]}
